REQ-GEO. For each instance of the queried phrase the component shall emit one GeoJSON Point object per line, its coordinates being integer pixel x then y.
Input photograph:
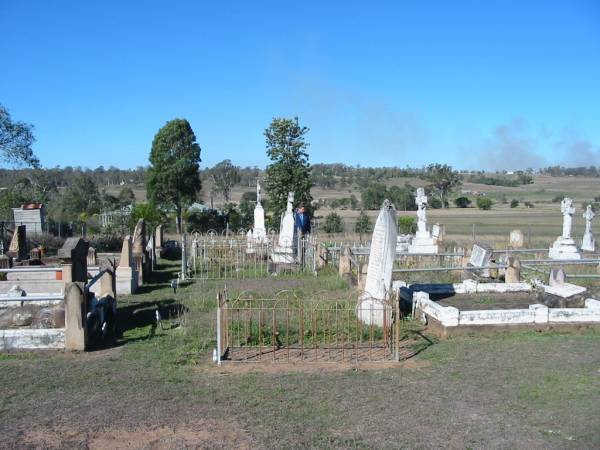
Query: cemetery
{"type": "Point", "coordinates": [256, 225]}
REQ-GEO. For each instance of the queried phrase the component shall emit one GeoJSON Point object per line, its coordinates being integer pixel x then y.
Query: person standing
{"type": "Point", "coordinates": [302, 222]}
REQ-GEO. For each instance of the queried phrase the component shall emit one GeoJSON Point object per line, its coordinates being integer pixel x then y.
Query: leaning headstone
{"type": "Point", "coordinates": [378, 281]}
{"type": "Point", "coordinates": [557, 276]}
{"type": "Point", "coordinates": [481, 257]}
{"type": "Point", "coordinates": [75, 314]}
{"type": "Point", "coordinates": [516, 239]}
{"type": "Point", "coordinates": [322, 256]}
{"type": "Point", "coordinates": [588, 243]}
{"type": "Point", "coordinates": [422, 242]}
{"type": "Point", "coordinates": [564, 247]}
{"type": "Point", "coordinates": [18, 244]}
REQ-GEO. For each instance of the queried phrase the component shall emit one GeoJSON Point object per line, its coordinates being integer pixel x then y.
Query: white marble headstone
{"type": "Point", "coordinates": [480, 256]}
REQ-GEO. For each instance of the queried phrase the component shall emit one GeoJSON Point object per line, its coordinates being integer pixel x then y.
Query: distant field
{"type": "Point", "coordinates": [543, 222]}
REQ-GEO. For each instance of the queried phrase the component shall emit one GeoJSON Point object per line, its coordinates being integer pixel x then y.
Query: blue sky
{"type": "Point", "coordinates": [495, 85]}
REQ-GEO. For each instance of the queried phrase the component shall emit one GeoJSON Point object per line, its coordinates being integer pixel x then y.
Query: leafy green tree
{"type": "Point", "coordinates": [407, 225]}
{"type": "Point", "coordinates": [333, 223]}
{"type": "Point", "coordinates": [373, 196]}
{"type": "Point", "coordinates": [126, 196]}
{"type": "Point", "coordinates": [290, 170]}
{"type": "Point", "coordinates": [363, 224]}
{"type": "Point", "coordinates": [443, 180]}
{"type": "Point", "coordinates": [16, 139]}
{"type": "Point", "coordinates": [462, 202]}
{"type": "Point", "coordinates": [224, 176]}
{"type": "Point", "coordinates": [403, 198]}
{"type": "Point", "coordinates": [514, 203]}
{"type": "Point", "coordinates": [484, 203]}
{"type": "Point", "coordinates": [246, 207]}
{"type": "Point", "coordinates": [173, 179]}
{"type": "Point", "coordinates": [147, 211]}
{"type": "Point", "coordinates": [81, 198]}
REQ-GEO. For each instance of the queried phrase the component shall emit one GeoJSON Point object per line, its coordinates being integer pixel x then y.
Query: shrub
{"type": "Point", "coordinates": [333, 224]}
{"type": "Point", "coordinates": [484, 203]}
{"type": "Point", "coordinates": [363, 224]}
{"type": "Point", "coordinates": [462, 202]}
{"type": "Point", "coordinates": [514, 203]}
{"type": "Point", "coordinates": [407, 225]}
{"type": "Point", "coordinates": [529, 205]}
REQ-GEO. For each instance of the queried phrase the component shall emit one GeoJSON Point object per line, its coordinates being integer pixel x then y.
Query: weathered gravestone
{"type": "Point", "coordinates": [126, 277]}
{"type": "Point", "coordinates": [73, 255]}
{"type": "Point", "coordinates": [481, 256]}
{"type": "Point", "coordinates": [91, 257]}
{"type": "Point", "coordinates": [516, 239]}
{"type": "Point", "coordinates": [513, 270]}
{"type": "Point", "coordinates": [158, 239]}
{"type": "Point", "coordinates": [259, 232]}
{"type": "Point", "coordinates": [140, 258]}
{"type": "Point", "coordinates": [18, 244]}
{"type": "Point", "coordinates": [378, 283]}
{"type": "Point", "coordinates": [422, 242]}
{"type": "Point", "coordinates": [557, 276]}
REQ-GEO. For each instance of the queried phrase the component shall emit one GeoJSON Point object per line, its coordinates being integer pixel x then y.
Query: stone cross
{"type": "Point", "coordinates": [567, 208]}
{"type": "Point", "coordinates": [588, 242]}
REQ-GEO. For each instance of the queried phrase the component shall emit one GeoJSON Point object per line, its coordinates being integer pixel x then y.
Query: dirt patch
{"type": "Point", "coordinates": [276, 368]}
{"type": "Point", "coordinates": [200, 434]}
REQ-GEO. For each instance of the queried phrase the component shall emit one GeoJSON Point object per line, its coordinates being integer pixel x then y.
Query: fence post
{"type": "Point", "coordinates": [219, 328]}
{"type": "Point", "coordinates": [397, 331]}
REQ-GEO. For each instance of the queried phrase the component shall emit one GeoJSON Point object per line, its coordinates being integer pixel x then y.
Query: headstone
{"type": "Point", "coordinates": [422, 242]}
{"type": "Point", "coordinates": [184, 260]}
{"type": "Point", "coordinates": [35, 255]}
{"type": "Point", "coordinates": [126, 277]}
{"type": "Point", "coordinates": [250, 243]}
{"type": "Point", "coordinates": [345, 264]}
{"type": "Point", "coordinates": [564, 247]}
{"type": "Point", "coordinates": [259, 232]}
{"type": "Point", "coordinates": [588, 243]}
{"type": "Point", "coordinates": [158, 238]}
{"type": "Point", "coordinates": [322, 256]}
{"type": "Point", "coordinates": [75, 312]}
{"type": "Point", "coordinates": [91, 257]}
{"type": "Point", "coordinates": [516, 239]}
{"type": "Point", "coordinates": [435, 231]}
{"type": "Point", "coordinates": [73, 254]}
{"type": "Point", "coordinates": [557, 276]}
{"type": "Point", "coordinates": [284, 250]}
{"type": "Point", "coordinates": [481, 256]}
{"type": "Point", "coordinates": [138, 244]}
{"type": "Point", "coordinates": [402, 243]}
{"type": "Point", "coordinates": [18, 244]}
{"type": "Point", "coordinates": [378, 281]}
{"type": "Point", "coordinates": [513, 270]}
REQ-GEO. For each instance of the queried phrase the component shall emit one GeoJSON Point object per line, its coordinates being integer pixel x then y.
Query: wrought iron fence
{"type": "Point", "coordinates": [288, 329]}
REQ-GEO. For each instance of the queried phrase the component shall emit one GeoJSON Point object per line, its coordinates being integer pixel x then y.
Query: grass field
{"type": "Point", "coordinates": [158, 388]}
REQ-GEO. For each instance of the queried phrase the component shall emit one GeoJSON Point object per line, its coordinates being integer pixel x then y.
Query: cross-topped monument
{"type": "Point", "coordinates": [564, 247]}
{"type": "Point", "coordinates": [422, 242]}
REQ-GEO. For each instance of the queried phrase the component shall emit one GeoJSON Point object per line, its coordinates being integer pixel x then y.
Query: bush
{"type": "Point", "coordinates": [514, 203]}
{"type": "Point", "coordinates": [107, 243]}
{"type": "Point", "coordinates": [333, 224]}
{"type": "Point", "coordinates": [484, 203]}
{"type": "Point", "coordinates": [407, 225]}
{"type": "Point", "coordinates": [435, 203]}
{"type": "Point", "coordinates": [363, 224]}
{"type": "Point", "coordinates": [462, 202]}
{"type": "Point", "coordinates": [529, 205]}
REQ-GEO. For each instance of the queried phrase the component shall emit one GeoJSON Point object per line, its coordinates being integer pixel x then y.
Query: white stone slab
{"type": "Point", "coordinates": [565, 290]}
{"type": "Point", "coordinates": [480, 256]}
{"type": "Point", "coordinates": [26, 338]}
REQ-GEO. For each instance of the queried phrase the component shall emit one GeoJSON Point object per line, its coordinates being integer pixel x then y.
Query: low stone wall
{"type": "Point", "coordinates": [31, 339]}
{"type": "Point", "coordinates": [33, 287]}
{"type": "Point", "coordinates": [450, 317]}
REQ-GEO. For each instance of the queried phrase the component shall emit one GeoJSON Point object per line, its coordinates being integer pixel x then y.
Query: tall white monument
{"type": "Point", "coordinates": [259, 232]}
{"type": "Point", "coordinates": [422, 242]}
{"type": "Point", "coordinates": [284, 250]}
{"type": "Point", "coordinates": [588, 243]}
{"type": "Point", "coordinates": [381, 262]}
{"type": "Point", "coordinates": [564, 247]}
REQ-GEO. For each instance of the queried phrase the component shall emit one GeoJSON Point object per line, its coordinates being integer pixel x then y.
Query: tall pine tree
{"type": "Point", "coordinates": [290, 169]}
